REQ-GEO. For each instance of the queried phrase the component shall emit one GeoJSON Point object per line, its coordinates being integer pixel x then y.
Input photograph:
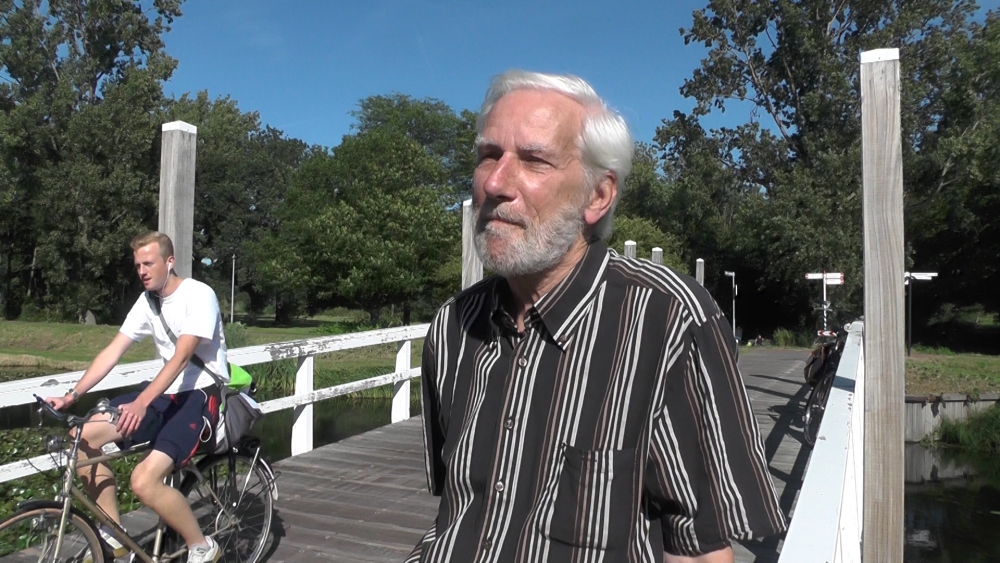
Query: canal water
{"type": "Point", "coordinates": [333, 420]}
{"type": "Point", "coordinates": [952, 507]}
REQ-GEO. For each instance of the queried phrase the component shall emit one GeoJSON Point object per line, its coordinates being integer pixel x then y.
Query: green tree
{"type": "Point", "coordinates": [779, 196]}
{"type": "Point", "coordinates": [243, 171]}
{"type": "Point", "coordinates": [647, 237]}
{"type": "Point", "coordinates": [79, 113]}
{"type": "Point", "coordinates": [445, 135]}
{"type": "Point", "coordinates": [365, 225]}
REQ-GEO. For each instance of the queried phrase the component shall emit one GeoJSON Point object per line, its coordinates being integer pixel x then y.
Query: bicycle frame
{"type": "Point", "coordinates": [71, 491]}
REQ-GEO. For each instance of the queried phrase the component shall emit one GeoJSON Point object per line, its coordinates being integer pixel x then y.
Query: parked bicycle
{"type": "Point", "coordinates": [820, 371]}
{"type": "Point", "coordinates": [232, 496]}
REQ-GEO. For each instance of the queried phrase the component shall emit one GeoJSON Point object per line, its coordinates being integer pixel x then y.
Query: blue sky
{"type": "Point", "coordinates": [304, 65]}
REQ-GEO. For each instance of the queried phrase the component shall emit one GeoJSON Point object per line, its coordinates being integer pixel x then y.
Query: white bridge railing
{"type": "Point", "coordinates": [22, 392]}
{"type": "Point", "coordinates": [826, 525]}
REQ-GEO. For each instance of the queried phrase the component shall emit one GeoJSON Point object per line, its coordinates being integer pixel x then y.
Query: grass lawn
{"type": "Point", "coordinates": [936, 371]}
{"type": "Point", "coordinates": [60, 347]}
{"type": "Point", "coordinates": [935, 374]}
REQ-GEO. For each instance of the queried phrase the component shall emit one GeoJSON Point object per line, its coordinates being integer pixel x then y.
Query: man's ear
{"type": "Point", "coordinates": [602, 199]}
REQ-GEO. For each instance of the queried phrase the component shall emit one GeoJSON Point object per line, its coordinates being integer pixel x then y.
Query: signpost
{"type": "Point", "coordinates": [828, 278]}
{"type": "Point", "coordinates": [907, 278]}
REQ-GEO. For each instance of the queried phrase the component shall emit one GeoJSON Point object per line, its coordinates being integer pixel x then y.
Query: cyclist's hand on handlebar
{"type": "Point", "coordinates": [130, 416]}
{"type": "Point", "coordinates": [58, 403]}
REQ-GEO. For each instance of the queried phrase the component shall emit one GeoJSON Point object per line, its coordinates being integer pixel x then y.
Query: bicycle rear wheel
{"type": "Point", "coordinates": [32, 535]}
{"type": "Point", "coordinates": [815, 407]}
{"type": "Point", "coordinates": [233, 504]}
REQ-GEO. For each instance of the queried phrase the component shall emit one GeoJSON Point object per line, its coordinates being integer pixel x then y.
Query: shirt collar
{"type": "Point", "coordinates": [562, 303]}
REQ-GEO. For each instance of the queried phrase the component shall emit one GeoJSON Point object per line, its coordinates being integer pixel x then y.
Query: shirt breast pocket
{"type": "Point", "coordinates": [595, 499]}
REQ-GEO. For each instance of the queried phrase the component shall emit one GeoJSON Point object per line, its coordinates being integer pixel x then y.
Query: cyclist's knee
{"type": "Point", "coordinates": [95, 436]}
{"type": "Point", "coordinates": [148, 476]}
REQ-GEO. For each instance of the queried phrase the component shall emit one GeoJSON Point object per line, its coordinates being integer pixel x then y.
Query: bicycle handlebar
{"type": "Point", "coordinates": [103, 407]}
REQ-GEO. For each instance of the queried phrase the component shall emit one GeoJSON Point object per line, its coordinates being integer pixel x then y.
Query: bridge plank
{"type": "Point", "coordinates": [364, 499]}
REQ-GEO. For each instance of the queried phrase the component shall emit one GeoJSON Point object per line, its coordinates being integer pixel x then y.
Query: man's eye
{"type": "Point", "coordinates": [484, 157]}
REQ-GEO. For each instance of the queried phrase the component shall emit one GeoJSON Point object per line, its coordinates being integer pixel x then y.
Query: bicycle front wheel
{"type": "Point", "coordinates": [233, 504]}
{"type": "Point", "coordinates": [33, 535]}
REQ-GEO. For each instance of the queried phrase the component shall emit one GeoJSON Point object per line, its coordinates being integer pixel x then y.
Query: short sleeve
{"type": "Point", "coordinates": [137, 324]}
{"type": "Point", "coordinates": [201, 313]}
{"type": "Point", "coordinates": [708, 481]}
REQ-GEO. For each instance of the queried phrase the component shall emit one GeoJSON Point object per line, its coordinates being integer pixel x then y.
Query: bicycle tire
{"type": "Point", "coordinates": [815, 407]}
{"type": "Point", "coordinates": [243, 528]}
{"type": "Point", "coordinates": [30, 535]}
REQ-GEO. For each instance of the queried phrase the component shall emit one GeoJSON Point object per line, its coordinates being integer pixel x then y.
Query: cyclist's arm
{"type": "Point", "coordinates": [99, 368]}
{"type": "Point", "coordinates": [184, 349]}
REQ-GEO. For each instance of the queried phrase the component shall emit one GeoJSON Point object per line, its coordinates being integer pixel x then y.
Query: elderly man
{"type": "Point", "coordinates": [579, 405]}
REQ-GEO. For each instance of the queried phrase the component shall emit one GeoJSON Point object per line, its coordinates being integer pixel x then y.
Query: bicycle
{"type": "Point", "coordinates": [232, 496]}
{"type": "Point", "coordinates": [820, 371]}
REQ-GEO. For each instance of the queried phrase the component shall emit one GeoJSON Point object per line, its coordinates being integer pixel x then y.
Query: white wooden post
{"type": "Point", "coordinates": [699, 270]}
{"type": "Point", "coordinates": [657, 257]}
{"type": "Point", "coordinates": [472, 267]}
{"type": "Point", "coordinates": [401, 389]}
{"type": "Point", "coordinates": [302, 417]}
{"type": "Point", "coordinates": [177, 162]}
{"type": "Point", "coordinates": [630, 248]}
{"type": "Point", "coordinates": [885, 348]}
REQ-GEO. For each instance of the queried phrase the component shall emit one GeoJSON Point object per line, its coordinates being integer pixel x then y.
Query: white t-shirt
{"type": "Point", "coordinates": [191, 309]}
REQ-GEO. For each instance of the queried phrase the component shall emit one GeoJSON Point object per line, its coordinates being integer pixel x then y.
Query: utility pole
{"type": "Point", "coordinates": [732, 275]}
{"type": "Point", "coordinates": [232, 291]}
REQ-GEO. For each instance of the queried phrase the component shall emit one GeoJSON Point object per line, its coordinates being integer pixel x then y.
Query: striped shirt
{"type": "Point", "coordinates": [614, 428]}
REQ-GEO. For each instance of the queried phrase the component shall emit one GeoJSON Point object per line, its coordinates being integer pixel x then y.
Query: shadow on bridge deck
{"type": "Point", "coordinates": [365, 499]}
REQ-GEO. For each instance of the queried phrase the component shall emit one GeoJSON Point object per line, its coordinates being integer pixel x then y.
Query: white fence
{"type": "Point", "coordinates": [22, 392]}
{"type": "Point", "coordinates": [826, 525]}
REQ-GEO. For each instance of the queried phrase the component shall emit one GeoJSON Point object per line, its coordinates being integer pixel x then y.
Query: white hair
{"type": "Point", "coordinates": [605, 142]}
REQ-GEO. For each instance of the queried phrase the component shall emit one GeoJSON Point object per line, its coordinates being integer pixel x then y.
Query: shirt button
{"type": "Point", "coordinates": [487, 543]}
{"type": "Point", "coordinates": [499, 486]}
{"type": "Point", "coordinates": [522, 362]}
{"type": "Point", "coordinates": [509, 423]}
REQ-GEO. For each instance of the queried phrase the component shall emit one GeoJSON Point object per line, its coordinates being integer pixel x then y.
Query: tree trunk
{"type": "Point", "coordinates": [374, 315]}
{"type": "Point", "coordinates": [406, 314]}
{"type": "Point", "coordinates": [282, 313]}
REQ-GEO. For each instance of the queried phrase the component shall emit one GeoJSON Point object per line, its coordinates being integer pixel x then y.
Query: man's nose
{"type": "Point", "coordinates": [500, 183]}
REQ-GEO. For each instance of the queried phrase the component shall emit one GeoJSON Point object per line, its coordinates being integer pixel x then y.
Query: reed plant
{"type": "Point", "coordinates": [980, 432]}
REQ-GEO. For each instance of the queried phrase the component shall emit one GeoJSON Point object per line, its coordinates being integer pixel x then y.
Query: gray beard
{"type": "Point", "coordinates": [539, 248]}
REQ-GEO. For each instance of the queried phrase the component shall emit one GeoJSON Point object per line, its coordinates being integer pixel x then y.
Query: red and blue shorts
{"type": "Point", "coordinates": [175, 424]}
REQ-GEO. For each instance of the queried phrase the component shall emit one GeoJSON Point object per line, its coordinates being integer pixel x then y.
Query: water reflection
{"type": "Point", "coordinates": [952, 506]}
{"type": "Point", "coordinates": [333, 420]}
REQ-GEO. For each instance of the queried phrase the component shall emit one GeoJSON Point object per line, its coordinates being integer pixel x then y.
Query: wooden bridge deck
{"type": "Point", "coordinates": [364, 498]}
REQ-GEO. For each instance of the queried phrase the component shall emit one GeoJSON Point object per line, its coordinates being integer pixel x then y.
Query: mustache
{"type": "Point", "coordinates": [490, 211]}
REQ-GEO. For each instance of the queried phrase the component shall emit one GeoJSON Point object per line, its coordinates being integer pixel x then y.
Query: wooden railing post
{"type": "Point", "coordinates": [699, 270]}
{"type": "Point", "coordinates": [630, 248]}
{"type": "Point", "coordinates": [472, 266]}
{"type": "Point", "coordinates": [657, 257]}
{"type": "Point", "coordinates": [401, 389]}
{"type": "Point", "coordinates": [885, 350]}
{"type": "Point", "coordinates": [177, 163]}
{"type": "Point", "coordinates": [302, 418]}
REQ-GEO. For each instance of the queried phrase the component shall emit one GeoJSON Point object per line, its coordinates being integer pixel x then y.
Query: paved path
{"type": "Point", "coordinates": [364, 498]}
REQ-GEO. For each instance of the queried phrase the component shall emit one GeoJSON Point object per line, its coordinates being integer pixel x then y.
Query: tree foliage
{"type": "Point", "coordinates": [779, 195]}
{"type": "Point", "coordinates": [79, 109]}
{"type": "Point", "coordinates": [367, 225]}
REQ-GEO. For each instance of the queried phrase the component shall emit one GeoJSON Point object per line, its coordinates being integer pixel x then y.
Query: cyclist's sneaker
{"type": "Point", "coordinates": [209, 554]}
{"type": "Point", "coordinates": [116, 546]}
